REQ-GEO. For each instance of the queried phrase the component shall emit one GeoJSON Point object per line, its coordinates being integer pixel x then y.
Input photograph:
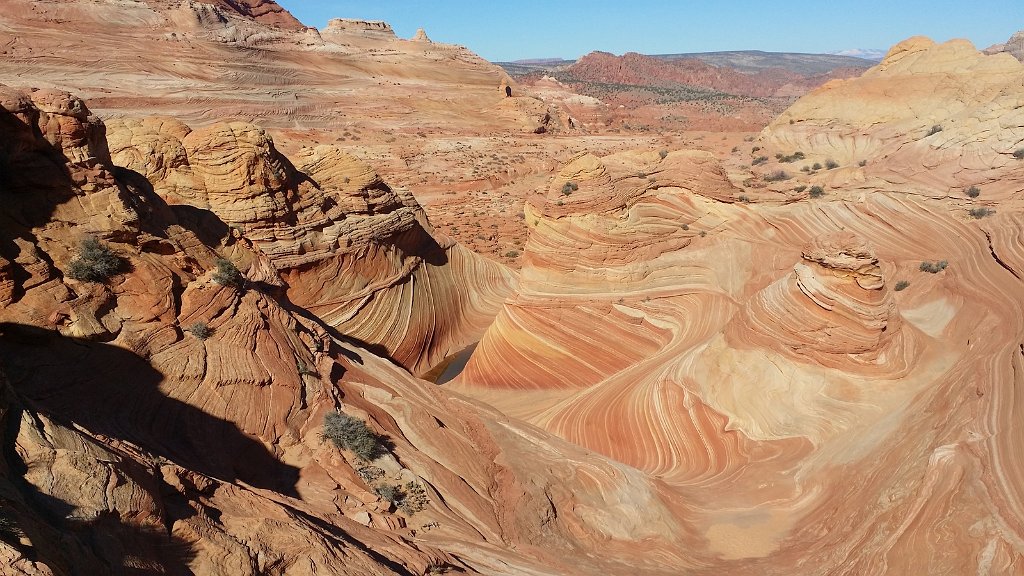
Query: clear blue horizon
{"type": "Point", "coordinates": [571, 28]}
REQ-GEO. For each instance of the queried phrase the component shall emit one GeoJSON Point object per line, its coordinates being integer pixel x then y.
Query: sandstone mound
{"type": "Point", "coordinates": [930, 118]}
{"type": "Point", "coordinates": [352, 250]}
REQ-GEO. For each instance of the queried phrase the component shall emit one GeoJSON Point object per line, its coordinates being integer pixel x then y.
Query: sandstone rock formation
{"type": "Point", "coordinates": [780, 368]}
{"type": "Point", "coordinates": [932, 119]}
{"type": "Point", "coordinates": [150, 444]}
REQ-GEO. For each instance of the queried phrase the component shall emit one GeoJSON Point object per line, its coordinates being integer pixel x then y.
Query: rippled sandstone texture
{"type": "Point", "coordinates": [813, 401]}
{"type": "Point", "coordinates": [134, 442]}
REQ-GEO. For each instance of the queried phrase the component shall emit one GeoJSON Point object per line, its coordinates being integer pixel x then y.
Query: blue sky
{"type": "Point", "coordinates": [516, 29]}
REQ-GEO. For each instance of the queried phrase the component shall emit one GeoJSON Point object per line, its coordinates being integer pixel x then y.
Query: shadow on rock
{"type": "Point", "coordinates": [112, 392]}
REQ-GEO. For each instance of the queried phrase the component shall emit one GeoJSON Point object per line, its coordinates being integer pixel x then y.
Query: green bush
{"type": "Point", "coordinates": [200, 330]}
{"type": "Point", "coordinates": [227, 274]}
{"type": "Point", "coordinates": [831, 164]}
{"type": "Point", "coordinates": [512, 254]}
{"type": "Point", "coordinates": [979, 213]}
{"type": "Point", "coordinates": [817, 166]}
{"type": "Point", "coordinates": [744, 199]}
{"type": "Point", "coordinates": [862, 163]}
{"type": "Point", "coordinates": [798, 155]}
{"type": "Point", "coordinates": [817, 192]}
{"type": "Point", "coordinates": [933, 267]}
{"type": "Point", "coordinates": [351, 433]}
{"type": "Point", "coordinates": [902, 285]}
{"type": "Point", "coordinates": [759, 160]}
{"type": "Point", "coordinates": [973, 192]}
{"type": "Point", "coordinates": [95, 262]}
{"type": "Point", "coordinates": [799, 189]}
{"type": "Point", "coordinates": [569, 187]}
{"type": "Point", "coordinates": [777, 176]}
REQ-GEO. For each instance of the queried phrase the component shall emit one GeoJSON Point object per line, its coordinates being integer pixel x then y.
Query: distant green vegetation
{"type": "Point", "coordinates": [973, 192]}
{"type": "Point", "coordinates": [933, 267]}
{"type": "Point", "coordinates": [817, 192]}
{"type": "Point", "coordinates": [979, 213]}
{"type": "Point", "coordinates": [902, 285]}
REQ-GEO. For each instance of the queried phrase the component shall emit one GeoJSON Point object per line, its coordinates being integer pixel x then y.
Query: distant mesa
{"type": "Point", "coordinates": [377, 28]}
{"type": "Point", "coordinates": [1014, 46]}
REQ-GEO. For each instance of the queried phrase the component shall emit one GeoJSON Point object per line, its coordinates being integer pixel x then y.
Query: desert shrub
{"type": "Point", "coordinates": [902, 285]}
{"type": "Point", "coordinates": [512, 254]}
{"type": "Point", "coordinates": [776, 176]}
{"type": "Point", "coordinates": [370, 473]}
{"type": "Point", "coordinates": [789, 158]}
{"type": "Point", "coordinates": [934, 130]}
{"type": "Point", "coordinates": [755, 149]}
{"type": "Point", "coordinates": [414, 498]}
{"type": "Point", "coordinates": [744, 199]}
{"type": "Point", "coordinates": [95, 262]}
{"type": "Point", "coordinates": [862, 163]}
{"type": "Point", "coordinates": [759, 160]}
{"type": "Point", "coordinates": [831, 164]}
{"type": "Point", "coordinates": [817, 192]}
{"type": "Point", "coordinates": [353, 434]}
{"type": "Point", "coordinates": [686, 226]}
{"type": "Point", "coordinates": [200, 330]}
{"type": "Point", "coordinates": [1019, 154]}
{"type": "Point", "coordinates": [817, 166]}
{"type": "Point", "coordinates": [227, 274]}
{"type": "Point", "coordinates": [663, 154]}
{"type": "Point", "coordinates": [735, 149]}
{"type": "Point", "coordinates": [799, 189]}
{"type": "Point", "coordinates": [979, 213]}
{"type": "Point", "coordinates": [569, 187]}
{"type": "Point", "coordinates": [933, 267]}
{"type": "Point", "coordinates": [973, 192]}
{"type": "Point", "coordinates": [389, 492]}
{"type": "Point", "coordinates": [805, 168]}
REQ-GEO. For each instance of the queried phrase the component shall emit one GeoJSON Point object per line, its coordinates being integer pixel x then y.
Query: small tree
{"type": "Point", "coordinates": [95, 262]}
{"type": "Point", "coordinates": [227, 274]}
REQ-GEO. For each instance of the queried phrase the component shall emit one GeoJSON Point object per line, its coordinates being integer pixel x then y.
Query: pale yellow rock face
{"type": "Point", "coordinates": [931, 119]}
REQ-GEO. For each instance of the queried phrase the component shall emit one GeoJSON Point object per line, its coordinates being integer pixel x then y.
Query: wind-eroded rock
{"type": "Point", "coordinates": [930, 118]}
{"type": "Point", "coordinates": [352, 250]}
{"type": "Point", "coordinates": [767, 364]}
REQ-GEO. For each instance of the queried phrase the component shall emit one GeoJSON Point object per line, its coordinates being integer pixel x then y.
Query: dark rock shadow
{"type": "Point", "coordinates": [112, 392]}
